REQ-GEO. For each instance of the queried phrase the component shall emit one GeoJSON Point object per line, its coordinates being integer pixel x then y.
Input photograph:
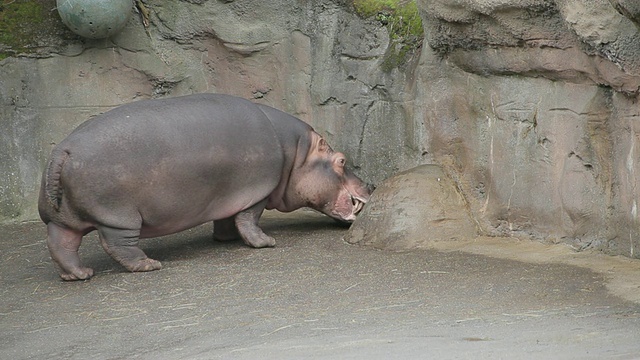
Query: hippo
{"type": "Point", "coordinates": [158, 167]}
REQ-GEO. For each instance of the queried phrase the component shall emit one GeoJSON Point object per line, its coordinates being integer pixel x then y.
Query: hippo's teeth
{"type": "Point", "coordinates": [358, 205]}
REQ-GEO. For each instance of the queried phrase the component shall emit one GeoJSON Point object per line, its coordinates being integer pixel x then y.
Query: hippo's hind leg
{"type": "Point", "coordinates": [247, 224]}
{"type": "Point", "coordinates": [63, 246]}
{"type": "Point", "coordinates": [122, 245]}
{"type": "Point", "coordinates": [225, 229]}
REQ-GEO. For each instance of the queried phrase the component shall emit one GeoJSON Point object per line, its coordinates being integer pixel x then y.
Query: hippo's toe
{"type": "Point", "coordinates": [146, 264]}
{"type": "Point", "coordinates": [80, 273]}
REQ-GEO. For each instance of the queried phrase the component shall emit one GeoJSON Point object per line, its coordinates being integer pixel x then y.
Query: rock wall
{"type": "Point", "coordinates": [318, 60]}
{"type": "Point", "coordinates": [531, 106]}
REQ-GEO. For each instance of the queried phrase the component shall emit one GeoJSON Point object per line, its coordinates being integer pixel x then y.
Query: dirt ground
{"type": "Point", "coordinates": [316, 297]}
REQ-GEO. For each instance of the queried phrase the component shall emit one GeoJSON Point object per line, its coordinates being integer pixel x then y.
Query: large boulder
{"type": "Point", "coordinates": [412, 210]}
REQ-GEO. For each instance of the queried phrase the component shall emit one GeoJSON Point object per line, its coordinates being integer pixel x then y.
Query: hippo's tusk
{"type": "Point", "coordinates": [358, 204]}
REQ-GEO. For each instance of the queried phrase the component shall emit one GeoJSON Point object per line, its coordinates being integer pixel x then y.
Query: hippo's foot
{"type": "Point", "coordinates": [63, 244]}
{"type": "Point", "coordinates": [122, 245]}
{"type": "Point", "coordinates": [259, 240]}
{"type": "Point", "coordinates": [81, 273]}
{"type": "Point", "coordinates": [147, 264]}
{"type": "Point", "coordinates": [247, 225]}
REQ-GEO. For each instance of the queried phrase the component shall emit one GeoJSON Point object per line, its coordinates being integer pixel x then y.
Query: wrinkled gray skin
{"type": "Point", "coordinates": [157, 167]}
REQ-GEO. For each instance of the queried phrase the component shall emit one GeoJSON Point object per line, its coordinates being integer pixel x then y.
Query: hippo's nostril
{"type": "Point", "coordinates": [371, 188]}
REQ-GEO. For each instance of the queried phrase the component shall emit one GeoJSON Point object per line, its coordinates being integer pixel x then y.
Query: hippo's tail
{"type": "Point", "coordinates": [52, 185]}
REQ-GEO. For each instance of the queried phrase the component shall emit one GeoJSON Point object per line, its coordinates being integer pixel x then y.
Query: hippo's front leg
{"type": "Point", "coordinates": [247, 225]}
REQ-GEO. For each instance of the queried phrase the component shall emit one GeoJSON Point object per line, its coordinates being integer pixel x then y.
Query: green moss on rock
{"type": "Point", "coordinates": [29, 27]}
{"type": "Point", "coordinates": [403, 21]}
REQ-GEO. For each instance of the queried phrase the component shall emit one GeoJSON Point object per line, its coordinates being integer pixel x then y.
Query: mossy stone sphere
{"type": "Point", "coordinates": [95, 19]}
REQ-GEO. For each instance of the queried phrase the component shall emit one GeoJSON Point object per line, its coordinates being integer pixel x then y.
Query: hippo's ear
{"type": "Point", "coordinates": [323, 146]}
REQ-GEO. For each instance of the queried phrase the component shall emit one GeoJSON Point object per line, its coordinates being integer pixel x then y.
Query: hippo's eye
{"type": "Point", "coordinates": [338, 163]}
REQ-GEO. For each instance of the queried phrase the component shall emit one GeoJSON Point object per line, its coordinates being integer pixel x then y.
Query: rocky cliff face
{"type": "Point", "coordinates": [530, 105]}
{"type": "Point", "coordinates": [533, 106]}
{"type": "Point", "coordinates": [318, 60]}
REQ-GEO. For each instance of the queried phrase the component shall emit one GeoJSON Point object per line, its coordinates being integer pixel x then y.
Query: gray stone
{"type": "Point", "coordinates": [95, 19]}
{"type": "Point", "coordinates": [412, 210]}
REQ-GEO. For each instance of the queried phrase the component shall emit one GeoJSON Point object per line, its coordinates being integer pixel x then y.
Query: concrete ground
{"type": "Point", "coordinates": [316, 297]}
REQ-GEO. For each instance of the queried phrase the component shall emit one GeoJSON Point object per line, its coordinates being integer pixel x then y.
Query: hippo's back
{"type": "Point", "coordinates": [183, 121]}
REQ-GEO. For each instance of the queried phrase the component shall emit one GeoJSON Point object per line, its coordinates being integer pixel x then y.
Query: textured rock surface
{"type": "Point", "coordinates": [531, 106]}
{"type": "Point", "coordinates": [317, 60]}
{"type": "Point", "coordinates": [411, 210]}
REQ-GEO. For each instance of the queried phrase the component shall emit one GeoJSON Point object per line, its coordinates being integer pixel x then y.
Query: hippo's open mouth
{"type": "Point", "coordinates": [346, 213]}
